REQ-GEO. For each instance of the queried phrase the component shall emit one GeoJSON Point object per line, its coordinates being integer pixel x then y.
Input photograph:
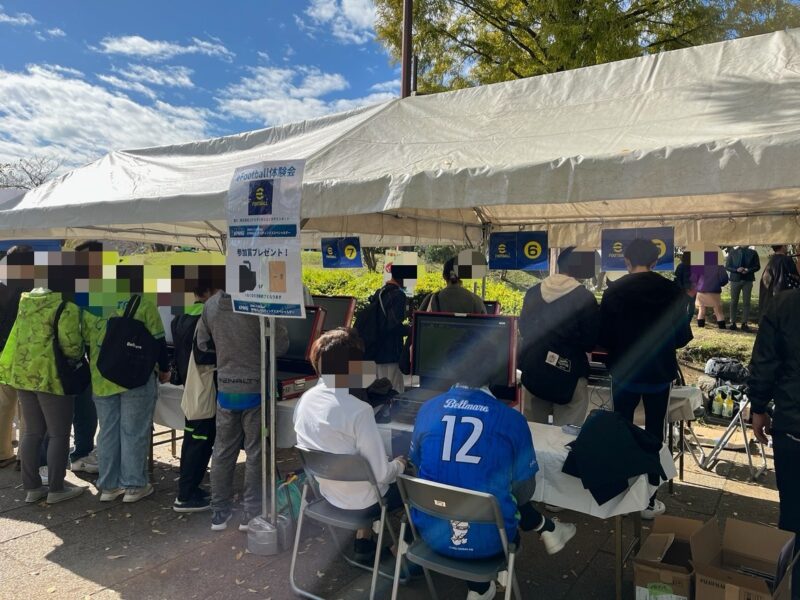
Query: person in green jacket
{"type": "Point", "coordinates": [125, 416]}
{"type": "Point", "coordinates": [28, 365]}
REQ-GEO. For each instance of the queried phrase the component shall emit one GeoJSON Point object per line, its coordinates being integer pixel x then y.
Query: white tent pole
{"type": "Point", "coordinates": [273, 426]}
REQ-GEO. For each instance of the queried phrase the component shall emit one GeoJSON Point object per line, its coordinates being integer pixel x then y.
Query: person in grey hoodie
{"type": "Point", "coordinates": [235, 338]}
{"type": "Point", "coordinates": [559, 325]}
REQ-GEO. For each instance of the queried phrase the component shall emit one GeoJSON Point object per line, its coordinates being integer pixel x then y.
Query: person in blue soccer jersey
{"type": "Point", "coordinates": [467, 438]}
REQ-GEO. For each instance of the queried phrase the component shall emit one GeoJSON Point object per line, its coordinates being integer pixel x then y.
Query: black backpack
{"type": "Point", "coordinates": [183, 328]}
{"type": "Point", "coordinates": [369, 323]}
{"type": "Point", "coordinates": [129, 351]}
{"type": "Point", "coordinates": [727, 369]}
{"type": "Point", "coordinates": [74, 375]}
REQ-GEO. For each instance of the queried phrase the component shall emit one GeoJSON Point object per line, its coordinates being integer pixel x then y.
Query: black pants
{"type": "Point", "coordinates": [198, 444]}
{"type": "Point", "coordinates": [787, 457]}
{"type": "Point", "coordinates": [655, 408]}
{"type": "Point", "coordinates": [84, 423]}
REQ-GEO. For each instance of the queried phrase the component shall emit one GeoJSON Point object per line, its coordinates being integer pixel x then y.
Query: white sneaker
{"type": "Point", "coordinates": [87, 464]}
{"type": "Point", "coordinates": [43, 475]}
{"type": "Point", "coordinates": [136, 494]}
{"type": "Point", "coordinates": [488, 595]}
{"type": "Point", "coordinates": [651, 512]}
{"type": "Point", "coordinates": [111, 495]}
{"type": "Point", "coordinates": [554, 541]}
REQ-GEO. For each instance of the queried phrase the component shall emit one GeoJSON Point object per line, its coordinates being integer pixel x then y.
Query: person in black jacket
{"type": "Point", "coordinates": [742, 263]}
{"type": "Point", "coordinates": [558, 324]}
{"type": "Point", "coordinates": [644, 318]}
{"type": "Point", "coordinates": [683, 274]}
{"type": "Point", "coordinates": [391, 330]}
{"type": "Point", "coordinates": [198, 434]}
{"type": "Point", "coordinates": [775, 376]}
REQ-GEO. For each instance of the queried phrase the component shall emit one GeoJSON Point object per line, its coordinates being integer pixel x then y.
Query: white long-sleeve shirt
{"type": "Point", "coordinates": [334, 421]}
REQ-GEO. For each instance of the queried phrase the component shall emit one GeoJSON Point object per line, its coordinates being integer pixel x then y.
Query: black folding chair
{"type": "Point", "coordinates": [453, 504]}
{"type": "Point", "coordinates": [345, 468]}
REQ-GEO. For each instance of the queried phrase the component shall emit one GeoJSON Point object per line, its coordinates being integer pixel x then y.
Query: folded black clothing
{"type": "Point", "coordinates": [609, 451]}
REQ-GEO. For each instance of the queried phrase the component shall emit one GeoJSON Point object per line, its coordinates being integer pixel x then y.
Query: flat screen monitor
{"type": "Point", "coordinates": [338, 310]}
{"type": "Point", "coordinates": [434, 334]}
{"type": "Point", "coordinates": [303, 333]}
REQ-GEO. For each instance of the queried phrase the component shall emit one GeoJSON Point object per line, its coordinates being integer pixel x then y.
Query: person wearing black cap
{"type": "Point", "coordinates": [644, 318]}
{"type": "Point", "coordinates": [559, 324]}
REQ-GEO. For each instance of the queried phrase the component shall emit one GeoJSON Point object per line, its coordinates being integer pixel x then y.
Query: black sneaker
{"type": "Point", "coordinates": [191, 505]}
{"type": "Point", "coordinates": [746, 328]}
{"type": "Point", "coordinates": [219, 520]}
{"type": "Point", "coordinates": [245, 523]}
{"type": "Point", "coordinates": [364, 550]}
{"type": "Point", "coordinates": [734, 328]}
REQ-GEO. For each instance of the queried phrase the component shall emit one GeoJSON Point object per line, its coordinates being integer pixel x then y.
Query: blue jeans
{"type": "Point", "coordinates": [126, 420]}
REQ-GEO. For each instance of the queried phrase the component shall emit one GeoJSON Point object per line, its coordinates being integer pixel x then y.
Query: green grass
{"type": "Point", "coordinates": [711, 341]}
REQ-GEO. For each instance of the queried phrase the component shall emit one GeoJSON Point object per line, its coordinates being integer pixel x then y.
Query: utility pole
{"type": "Point", "coordinates": [405, 61]}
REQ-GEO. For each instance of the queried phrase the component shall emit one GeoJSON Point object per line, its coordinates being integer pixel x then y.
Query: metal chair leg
{"type": "Point", "coordinates": [401, 552]}
{"type": "Point", "coordinates": [379, 547]}
{"type": "Point", "coordinates": [512, 578]}
{"type": "Point", "coordinates": [295, 588]}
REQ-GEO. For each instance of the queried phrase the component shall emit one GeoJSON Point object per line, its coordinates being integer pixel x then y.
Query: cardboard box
{"type": "Point", "coordinates": [662, 569]}
{"type": "Point", "coordinates": [727, 567]}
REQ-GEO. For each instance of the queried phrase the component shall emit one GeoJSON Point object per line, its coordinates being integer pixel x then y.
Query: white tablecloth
{"type": "Point", "coordinates": [552, 486]}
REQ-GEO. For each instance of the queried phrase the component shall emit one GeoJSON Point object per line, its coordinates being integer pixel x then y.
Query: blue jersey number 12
{"type": "Point", "coordinates": [463, 455]}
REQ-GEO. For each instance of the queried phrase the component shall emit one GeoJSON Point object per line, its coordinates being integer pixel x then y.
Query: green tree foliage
{"type": "Point", "coordinates": [460, 43]}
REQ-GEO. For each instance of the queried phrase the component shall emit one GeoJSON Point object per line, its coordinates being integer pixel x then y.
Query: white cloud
{"type": "Point", "coordinates": [50, 109]}
{"type": "Point", "coordinates": [350, 21]}
{"type": "Point", "coordinates": [136, 45]}
{"type": "Point", "coordinates": [172, 76]}
{"type": "Point", "coordinates": [17, 19]}
{"type": "Point", "coordinates": [131, 86]}
{"type": "Point", "coordinates": [272, 96]}
{"type": "Point", "coordinates": [392, 85]}
{"type": "Point", "coordinates": [49, 34]}
{"type": "Point", "coordinates": [263, 56]}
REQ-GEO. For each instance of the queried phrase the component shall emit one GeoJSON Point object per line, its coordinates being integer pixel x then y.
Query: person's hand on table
{"type": "Point", "coordinates": [164, 376]}
{"type": "Point", "coordinates": [761, 427]}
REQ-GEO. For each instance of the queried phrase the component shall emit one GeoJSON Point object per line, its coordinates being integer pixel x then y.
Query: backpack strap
{"type": "Point", "coordinates": [132, 306]}
{"type": "Point", "coordinates": [380, 299]}
{"type": "Point", "coordinates": [435, 302]}
{"type": "Point", "coordinates": [56, 320]}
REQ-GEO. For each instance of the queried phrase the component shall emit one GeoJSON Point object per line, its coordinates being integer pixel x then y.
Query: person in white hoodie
{"type": "Point", "coordinates": [558, 325]}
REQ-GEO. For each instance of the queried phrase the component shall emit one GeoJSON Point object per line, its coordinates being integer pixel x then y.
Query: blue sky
{"type": "Point", "coordinates": [78, 79]}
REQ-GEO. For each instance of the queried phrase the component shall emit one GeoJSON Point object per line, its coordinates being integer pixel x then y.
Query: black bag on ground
{"type": "Point", "coordinates": [369, 323]}
{"type": "Point", "coordinates": [129, 351]}
{"type": "Point", "coordinates": [74, 374]}
{"type": "Point", "coordinates": [728, 369]}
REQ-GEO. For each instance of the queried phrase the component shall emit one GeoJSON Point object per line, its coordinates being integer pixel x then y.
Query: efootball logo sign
{"type": "Point", "coordinates": [259, 199]}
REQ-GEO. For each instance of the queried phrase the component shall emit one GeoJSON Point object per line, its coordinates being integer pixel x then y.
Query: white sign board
{"type": "Point", "coordinates": [263, 266]}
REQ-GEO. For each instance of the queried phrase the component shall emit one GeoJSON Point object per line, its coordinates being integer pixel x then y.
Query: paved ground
{"type": "Point", "coordinates": [85, 549]}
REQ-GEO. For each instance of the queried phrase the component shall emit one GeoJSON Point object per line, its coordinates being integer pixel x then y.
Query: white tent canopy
{"type": "Point", "coordinates": [706, 139]}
